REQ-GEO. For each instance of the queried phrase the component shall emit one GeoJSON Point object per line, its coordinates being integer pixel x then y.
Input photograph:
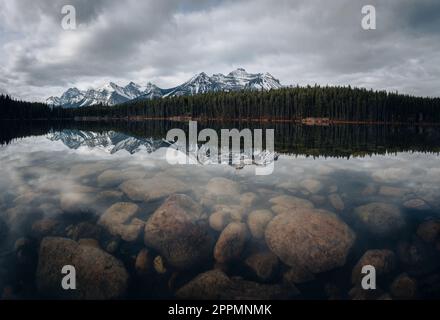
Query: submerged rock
{"type": "Point", "coordinates": [315, 240]}
{"type": "Point", "coordinates": [248, 199]}
{"type": "Point", "coordinates": [429, 194]}
{"type": "Point", "coordinates": [222, 187]}
{"type": "Point", "coordinates": [179, 232]}
{"type": "Point", "coordinates": [222, 191]}
{"type": "Point", "coordinates": [120, 220]}
{"type": "Point", "coordinates": [109, 196]}
{"type": "Point", "coordinates": [358, 293]}
{"type": "Point", "coordinates": [113, 178]}
{"type": "Point", "coordinates": [263, 264]}
{"type": "Point", "coordinates": [98, 274]}
{"type": "Point", "coordinates": [235, 212]}
{"type": "Point", "coordinates": [159, 265]}
{"type": "Point", "coordinates": [416, 204]}
{"type": "Point", "coordinates": [257, 222]}
{"type": "Point", "coordinates": [285, 204]}
{"type": "Point", "coordinates": [418, 257]}
{"type": "Point", "coordinates": [381, 219]}
{"type": "Point", "coordinates": [86, 169]}
{"type": "Point", "coordinates": [384, 261]}
{"type": "Point", "coordinates": [336, 201]}
{"type": "Point", "coordinates": [219, 220]}
{"type": "Point", "coordinates": [318, 199]}
{"type": "Point", "coordinates": [215, 285]}
{"type": "Point", "coordinates": [143, 263]}
{"type": "Point", "coordinates": [84, 230]}
{"type": "Point", "coordinates": [297, 275]}
{"type": "Point", "coordinates": [429, 231]}
{"type": "Point", "coordinates": [392, 191]}
{"type": "Point", "coordinates": [44, 227]}
{"type": "Point", "coordinates": [231, 242]}
{"type": "Point", "coordinates": [211, 285]}
{"type": "Point", "coordinates": [76, 202]}
{"type": "Point", "coordinates": [311, 185]}
{"type": "Point", "coordinates": [404, 287]}
{"type": "Point", "coordinates": [289, 185]}
{"type": "Point", "coordinates": [112, 246]}
{"type": "Point", "coordinates": [89, 242]}
{"type": "Point", "coordinates": [152, 189]}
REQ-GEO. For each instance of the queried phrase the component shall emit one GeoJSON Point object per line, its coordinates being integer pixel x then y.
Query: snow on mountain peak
{"type": "Point", "coordinates": [109, 87]}
{"type": "Point", "coordinates": [199, 77]}
{"type": "Point", "coordinates": [240, 72]}
{"type": "Point", "coordinates": [112, 94]}
{"type": "Point", "coordinates": [133, 86]}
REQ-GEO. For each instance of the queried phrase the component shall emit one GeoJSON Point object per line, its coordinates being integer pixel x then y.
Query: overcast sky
{"type": "Point", "coordinates": [168, 41]}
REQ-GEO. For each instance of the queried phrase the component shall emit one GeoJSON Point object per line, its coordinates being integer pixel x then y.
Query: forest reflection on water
{"type": "Point", "coordinates": [360, 194]}
{"type": "Point", "coordinates": [333, 141]}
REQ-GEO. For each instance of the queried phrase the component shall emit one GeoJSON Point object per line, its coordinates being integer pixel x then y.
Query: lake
{"type": "Point", "coordinates": [101, 197]}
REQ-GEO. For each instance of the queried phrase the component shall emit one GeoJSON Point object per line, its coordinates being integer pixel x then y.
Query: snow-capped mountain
{"type": "Point", "coordinates": [151, 91]}
{"type": "Point", "coordinates": [200, 83]}
{"type": "Point", "coordinates": [112, 94]}
{"type": "Point", "coordinates": [240, 79]}
{"type": "Point", "coordinates": [109, 94]}
{"type": "Point", "coordinates": [71, 97]}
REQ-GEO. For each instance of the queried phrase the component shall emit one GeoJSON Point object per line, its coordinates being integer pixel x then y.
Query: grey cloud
{"type": "Point", "coordinates": [303, 42]}
{"type": "Point", "coordinates": [21, 13]}
{"type": "Point", "coordinates": [420, 17]}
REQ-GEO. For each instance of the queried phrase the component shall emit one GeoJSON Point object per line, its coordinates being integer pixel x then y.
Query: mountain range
{"type": "Point", "coordinates": [112, 94]}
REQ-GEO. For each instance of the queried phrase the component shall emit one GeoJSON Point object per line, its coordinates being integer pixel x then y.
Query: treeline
{"type": "Point", "coordinates": [295, 103]}
{"type": "Point", "coordinates": [11, 109]}
{"type": "Point", "coordinates": [336, 103]}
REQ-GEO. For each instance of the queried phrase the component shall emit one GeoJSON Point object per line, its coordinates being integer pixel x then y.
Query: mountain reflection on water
{"type": "Point", "coordinates": [103, 198]}
{"type": "Point", "coordinates": [112, 141]}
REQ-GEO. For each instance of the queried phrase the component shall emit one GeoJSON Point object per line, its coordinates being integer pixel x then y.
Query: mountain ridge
{"type": "Point", "coordinates": [113, 94]}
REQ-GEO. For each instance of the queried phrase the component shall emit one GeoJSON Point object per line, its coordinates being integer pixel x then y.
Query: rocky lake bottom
{"type": "Point", "coordinates": [136, 227]}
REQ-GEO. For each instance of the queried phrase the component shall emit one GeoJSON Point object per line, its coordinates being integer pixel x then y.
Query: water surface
{"type": "Point", "coordinates": [336, 194]}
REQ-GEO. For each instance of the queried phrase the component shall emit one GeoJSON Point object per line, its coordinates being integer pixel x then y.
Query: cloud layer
{"type": "Point", "coordinates": [166, 42]}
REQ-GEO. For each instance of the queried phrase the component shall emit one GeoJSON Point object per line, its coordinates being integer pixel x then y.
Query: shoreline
{"type": "Point", "coordinates": [305, 121]}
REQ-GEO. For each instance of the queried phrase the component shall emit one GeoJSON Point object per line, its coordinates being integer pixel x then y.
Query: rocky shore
{"type": "Point", "coordinates": [168, 234]}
